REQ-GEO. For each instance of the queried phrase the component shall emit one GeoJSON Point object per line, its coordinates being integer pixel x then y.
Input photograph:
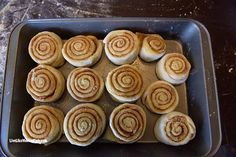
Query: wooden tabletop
{"type": "Point", "coordinates": [218, 16]}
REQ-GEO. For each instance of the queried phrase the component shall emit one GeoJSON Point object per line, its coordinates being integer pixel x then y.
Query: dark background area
{"type": "Point", "coordinates": [218, 16]}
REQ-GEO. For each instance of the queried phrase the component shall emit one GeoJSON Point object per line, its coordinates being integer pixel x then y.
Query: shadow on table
{"type": "Point", "coordinates": [226, 151]}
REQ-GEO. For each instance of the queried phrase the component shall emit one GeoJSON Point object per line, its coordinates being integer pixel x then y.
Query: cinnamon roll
{"type": "Point", "coordinates": [175, 129]}
{"type": "Point", "coordinates": [125, 83]}
{"type": "Point", "coordinates": [160, 97]}
{"type": "Point", "coordinates": [84, 123]}
{"type": "Point", "coordinates": [173, 68]}
{"type": "Point", "coordinates": [85, 84]}
{"type": "Point", "coordinates": [45, 83]}
{"type": "Point", "coordinates": [45, 48]}
{"type": "Point", "coordinates": [43, 125]}
{"type": "Point", "coordinates": [152, 48]}
{"type": "Point", "coordinates": [82, 51]}
{"type": "Point", "coordinates": [121, 46]}
{"type": "Point", "coordinates": [128, 122]}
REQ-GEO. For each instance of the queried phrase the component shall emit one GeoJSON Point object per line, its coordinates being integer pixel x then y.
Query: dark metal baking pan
{"type": "Point", "coordinates": [201, 86]}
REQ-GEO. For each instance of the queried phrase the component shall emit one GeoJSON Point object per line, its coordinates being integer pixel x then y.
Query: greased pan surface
{"type": "Point", "coordinates": [147, 70]}
{"type": "Point", "coordinates": [201, 91]}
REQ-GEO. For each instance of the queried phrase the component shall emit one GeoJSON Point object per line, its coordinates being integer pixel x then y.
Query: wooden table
{"type": "Point", "coordinates": [218, 16]}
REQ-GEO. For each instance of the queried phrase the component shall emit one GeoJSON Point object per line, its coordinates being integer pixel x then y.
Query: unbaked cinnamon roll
{"type": "Point", "coordinates": [43, 125]}
{"type": "Point", "coordinates": [175, 129]}
{"type": "Point", "coordinates": [45, 48]}
{"type": "Point", "coordinates": [160, 97]}
{"type": "Point", "coordinates": [45, 83]}
{"type": "Point", "coordinates": [84, 123]}
{"type": "Point", "coordinates": [82, 51]}
{"type": "Point", "coordinates": [85, 84]}
{"type": "Point", "coordinates": [128, 122]}
{"type": "Point", "coordinates": [152, 48]}
{"type": "Point", "coordinates": [125, 83]}
{"type": "Point", "coordinates": [121, 46]}
{"type": "Point", "coordinates": [173, 68]}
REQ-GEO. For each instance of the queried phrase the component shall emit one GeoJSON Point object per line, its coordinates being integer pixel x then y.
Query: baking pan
{"type": "Point", "coordinates": [201, 88]}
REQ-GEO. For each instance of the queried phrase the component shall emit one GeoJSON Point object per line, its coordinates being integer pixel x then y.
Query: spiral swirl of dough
{"type": "Point", "coordinates": [174, 68]}
{"type": "Point", "coordinates": [175, 128]}
{"type": "Point", "coordinates": [177, 65]}
{"type": "Point", "coordinates": [161, 97]}
{"type": "Point", "coordinates": [43, 125]}
{"type": "Point", "coordinates": [82, 51]}
{"type": "Point", "coordinates": [121, 46]}
{"type": "Point", "coordinates": [84, 123]}
{"type": "Point", "coordinates": [85, 84]}
{"type": "Point", "coordinates": [125, 83]}
{"type": "Point", "coordinates": [45, 48]}
{"type": "Point", "coordinates": [45, 83]}
{"type": "Point", "coordinates": [156, 43]}
{"type": "Point", "coordinates": [128, 122]}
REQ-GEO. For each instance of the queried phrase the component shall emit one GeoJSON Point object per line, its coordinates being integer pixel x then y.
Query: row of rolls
{"type": "Point", "coordinates": [124, 83]}
{"type": "Point", "coordinates": [84, 123]}
{"type": "Point", "coordinates": [121, 47]}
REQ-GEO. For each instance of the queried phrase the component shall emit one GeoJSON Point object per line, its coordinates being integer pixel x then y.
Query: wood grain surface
{"type": "Point", "coordinates": [218, 16]}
